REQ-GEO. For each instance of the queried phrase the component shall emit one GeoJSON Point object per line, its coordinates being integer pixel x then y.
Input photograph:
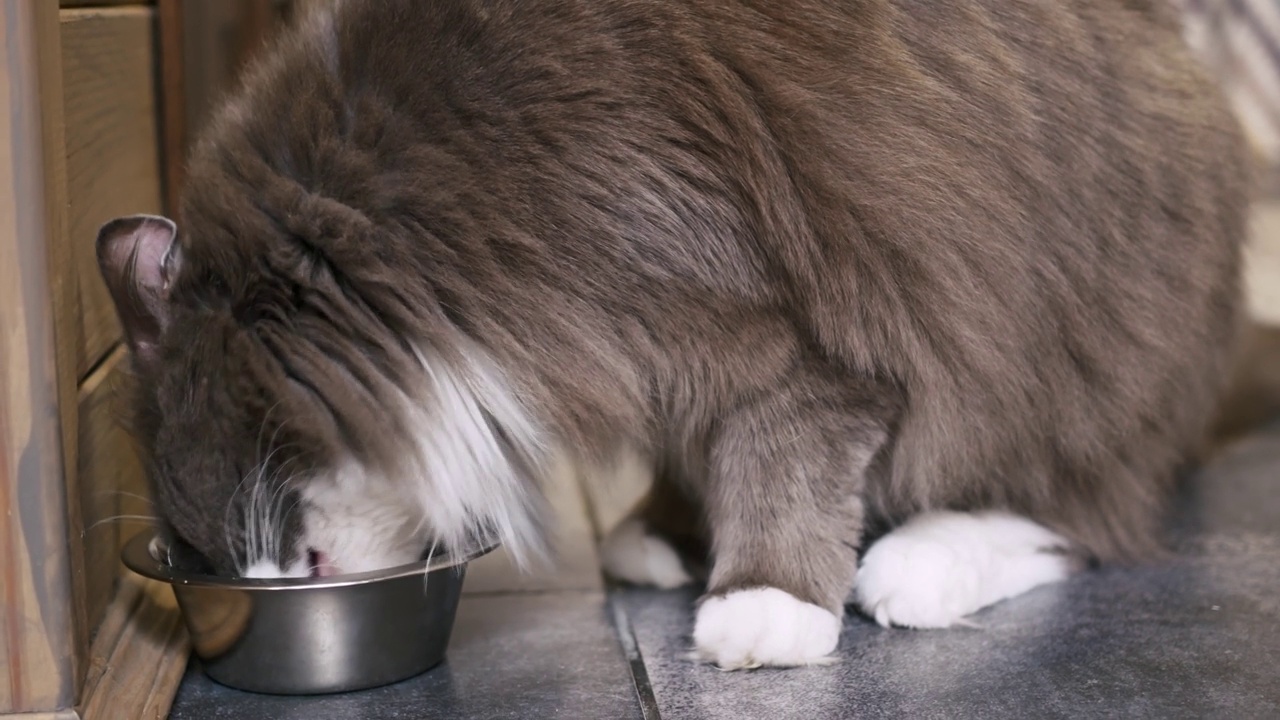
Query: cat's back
{"type": "Point", "coordinates": [905, 111]}
{"type": "Point", "coordinates": [949, 173]}
{"type": "Point", "coordinates": [969, 163]}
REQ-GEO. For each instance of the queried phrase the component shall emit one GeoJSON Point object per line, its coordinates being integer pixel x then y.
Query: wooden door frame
{"type": "Point", "coordinates": [38, 662]}
{"type": "Point", "coordinates": [48, 669]}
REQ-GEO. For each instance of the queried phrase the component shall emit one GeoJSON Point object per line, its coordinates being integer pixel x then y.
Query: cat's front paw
{"type": "Point", "coordinates": [941, 567]}
{"type": "Point", "coordinates": [763, 627]}
{"type": "Point", "coordinates": [632, 554]}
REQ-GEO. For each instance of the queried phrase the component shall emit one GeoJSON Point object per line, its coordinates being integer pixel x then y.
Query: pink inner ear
{"type": "Point", "coordinates": [131, 258]}
{"type": "Point", "coordinates": [152, 243]}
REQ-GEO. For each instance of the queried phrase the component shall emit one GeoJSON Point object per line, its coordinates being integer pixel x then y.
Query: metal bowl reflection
{"type": "Point", "coordinates": [314, 635]}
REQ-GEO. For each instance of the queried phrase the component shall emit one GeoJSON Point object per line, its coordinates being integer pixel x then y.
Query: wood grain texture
{"type": "Point", "coordinates": [65, 295]}
{"type": "Point", "coordinates": [110, 484]}
{"type": "Point", "coordinates": [112, 142]}
{"type": "Point", "coordinates": [96, 3]}
{"type": "Point", "coordinates": [173, 108]}
{"type": "Point", "coordinates": [37, 666]}
{"type": "Point", "coordinates": [139, 655]}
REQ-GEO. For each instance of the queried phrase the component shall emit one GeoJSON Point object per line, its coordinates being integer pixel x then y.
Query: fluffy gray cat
{"type": "Point", "coordinates": [959, 277]}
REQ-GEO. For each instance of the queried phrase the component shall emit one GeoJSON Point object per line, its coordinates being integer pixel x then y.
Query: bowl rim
{"type": "Point", "coordinates": [136, 556]}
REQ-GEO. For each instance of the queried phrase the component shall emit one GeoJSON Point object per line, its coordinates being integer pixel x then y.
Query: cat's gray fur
{"type": "Point", "coordinates": [834, 261]}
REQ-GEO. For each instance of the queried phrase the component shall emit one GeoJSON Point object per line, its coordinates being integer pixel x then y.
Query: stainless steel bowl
{"type": "Point", "coordinates": [314, 635]}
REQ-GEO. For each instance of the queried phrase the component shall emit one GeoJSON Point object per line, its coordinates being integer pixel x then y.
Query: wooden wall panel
{"type": "Point", "coordinates": [65, 296]}
{"type": "Point", "coordinates": [37, 628]}
{"type": "Point", "coordinates": [172, 98]}
{"type": "Point", "coordinates": [112, 140]}
{"type": "Point", "coordinates": [111, 483]}
{"type": "Point", "coordinates": [139, 645]}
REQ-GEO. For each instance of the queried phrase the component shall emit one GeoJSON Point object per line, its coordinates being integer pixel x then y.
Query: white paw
{"type": "Point", "coordinates": [763, 627]}
{"type": "Point", "coordinates": [942, 566]}
{"type": "Point", "coordinates": [631, 554]}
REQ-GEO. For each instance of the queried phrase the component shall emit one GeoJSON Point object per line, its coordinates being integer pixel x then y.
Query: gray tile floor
{"type": "Point", "coordinates": [518, 655]}
{"type": "Point", "coordinates": [1195, 636]}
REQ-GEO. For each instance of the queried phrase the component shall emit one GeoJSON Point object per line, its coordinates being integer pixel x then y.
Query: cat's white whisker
{"type": "Point", "coordinates": [228, 526]}
{"type": "Point", "coordinates": [120, 518]}
{"type": "Point", "coordinates": [262, 427]}
{"type": "Point", "coordinates": [264, 510]}
{"type": "Point", "coordinates": [125, 493]}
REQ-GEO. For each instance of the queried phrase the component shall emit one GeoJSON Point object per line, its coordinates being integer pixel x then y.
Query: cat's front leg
{"type": "Point", "coordinates": [783, 507]}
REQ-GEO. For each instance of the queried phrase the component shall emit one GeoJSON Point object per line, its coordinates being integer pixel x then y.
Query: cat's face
{"type": "Point", "coordinates": [253, 472]}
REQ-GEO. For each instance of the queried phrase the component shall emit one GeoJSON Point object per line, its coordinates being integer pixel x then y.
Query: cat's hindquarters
{"type": "Point", "coordinates": [940, 567]}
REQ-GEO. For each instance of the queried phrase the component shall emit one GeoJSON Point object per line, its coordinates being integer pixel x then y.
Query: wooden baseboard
{"type": "Point", "coordinates": [138, 657]}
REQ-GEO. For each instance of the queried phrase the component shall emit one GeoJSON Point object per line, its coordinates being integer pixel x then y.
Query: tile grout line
{"type": "Point", "coordinates": [635, 661]}
{"type": "Point", "coordinates": [639, 673]}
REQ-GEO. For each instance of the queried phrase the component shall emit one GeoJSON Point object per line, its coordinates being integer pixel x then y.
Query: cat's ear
{"type": "Point", "coordinates": [138, 258]}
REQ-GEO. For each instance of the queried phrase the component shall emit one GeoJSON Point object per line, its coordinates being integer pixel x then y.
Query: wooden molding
{"type": "Point", "coordinates": [65, 297]}
{"type": "Point", "coordinates": [38, 630]}
{"type": "Point", "coordinates": [137, 661]}
{"type": "Point", "coordinates": [110, 483]}
{"type": "Point", "coordinates": [139, 655]}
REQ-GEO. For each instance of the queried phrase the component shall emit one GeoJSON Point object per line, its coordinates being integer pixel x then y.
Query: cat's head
{"type": "Point", "coordinates": [289, 428]}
